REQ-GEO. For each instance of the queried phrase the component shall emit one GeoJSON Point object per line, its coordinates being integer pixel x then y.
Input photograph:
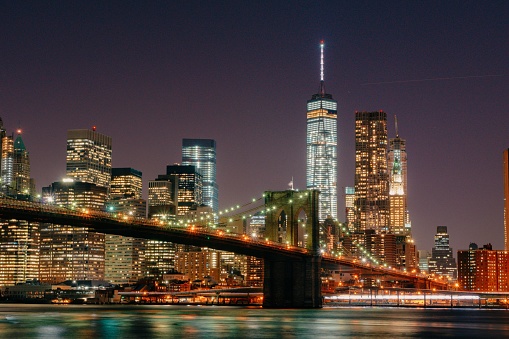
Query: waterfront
{"type": "Point", "coordinates": [176, 321]}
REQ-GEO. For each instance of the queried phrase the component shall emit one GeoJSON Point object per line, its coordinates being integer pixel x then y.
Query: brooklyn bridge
{"type": "Point", "coordinates": [291, 268]}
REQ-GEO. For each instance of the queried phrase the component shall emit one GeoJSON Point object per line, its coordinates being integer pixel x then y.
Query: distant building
{"type": "Point", "coordinates": [162, 198]}
{"type": "Point", "coordinates": [506, 199]}
{"type": "Point", "coordinates": [126, 183]}
{"type": "Point", "coordinates": [19, 239]}
{"type": "Point", "coordinates": [89, 157]}
{"type": "Point", "coordinates": [350, 208]}
{"type": "Point", "coordinates": [19, 251]}
{"type": "Point", "coordinates": [201, 153]}
{"type": "Point", "coordinates": [75, 253]}
{"type": "Point", "coordinates": [7, 165]}
{"type": "Point", "coordinates": [371, 175]}
{"type": "Point", "coordinates": [198, 265]}
{"type": "Point", "coordinates": [189, 185]}
{"type": "Point", "coordinates": [321, 148]}
{"type": "Point", "coordinates": [254, 271]}
{"type": "Point", "coordinates": [442, 261]}
{"type": "Point", "coordinates": [68, 252]}
{"type": "Point", "coordinates": [424, 257]}
{"type": "Point", "coordinates": [399, 221]}
{"type": "Point", "coordinates": [125, 256]}
{"type": "Point", "coordinates": [483, 269]}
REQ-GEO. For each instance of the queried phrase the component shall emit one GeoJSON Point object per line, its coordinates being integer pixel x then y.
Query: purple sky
{"type": "Point", "coordinates": [240, 72]}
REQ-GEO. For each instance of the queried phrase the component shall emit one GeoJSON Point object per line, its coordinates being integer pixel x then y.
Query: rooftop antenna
{"type": "Point", "coordinates": [396, 123]}
{"type": "Point", "coordinates": [322, 84]}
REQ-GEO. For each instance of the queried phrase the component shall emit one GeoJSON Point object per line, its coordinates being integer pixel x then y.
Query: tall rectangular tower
{"type": "Point", "coordinates": [371, 176]}
{"type": "Point", "coordinates": [187, 182]}
{"type": "Point", "coordinates": [89, 157]}
{"type": "Point", "coordinates": [201, 153]}
{"type": "Point", "coordinates": [321, 148]}
{"type": "Point", "coordinates": [506, 199]}
{"type": "Point", "coordinates": [442, 260]}
{"type": "Point", "coordinates": [125, 256]}
{"type": "Point", "coordinates": [399, 222]}
{"type": "Point", "coordinates": [7, 175]}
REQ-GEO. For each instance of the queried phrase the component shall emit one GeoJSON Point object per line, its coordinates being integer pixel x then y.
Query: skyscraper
{"type": "Point", "coordinates": [22, 183]}
{"type": "Point", "coordinates": [321, 147]}
{"type": "Point", "coordinates": [19, 251]}
{"type": "Point", "coordinates": [74, 252]}
{"type": "Point", "coordinates": [201, 153]}
{"type": "Point", "coordinates": [3, 134]}
{"type": "Point", "coordinates": [189, 185]}
{"type": "Point", "coordinates": [350, 208]}
{"type": "Point", "coordinates": [442, 261]}
{"type": "Point", "coordinates": [125, 256]}
{"type": "Point", "coordinates": [398, 210]}
{"type": "Point", "coordinates": [68, 252]}
{"type": "Point", "coordinates": [7, 165]}
{"type": "Point", "coordinates": [506, 199]}
{"type": "Point", "coordinates": [89, 157]}
{"type": "Point", "coordinates": [19, 239]}
{"type": "Point", "coordinates": [371, 176]}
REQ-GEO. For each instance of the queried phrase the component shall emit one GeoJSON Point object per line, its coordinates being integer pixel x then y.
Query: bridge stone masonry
{"type": "Point", "coordinates": [292, 282]}
{"type": "Point", "coordinates": [292, 260]}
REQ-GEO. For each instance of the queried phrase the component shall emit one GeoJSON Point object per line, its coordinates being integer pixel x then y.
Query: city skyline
{"type": "Point", "coordinates": [132, 70]}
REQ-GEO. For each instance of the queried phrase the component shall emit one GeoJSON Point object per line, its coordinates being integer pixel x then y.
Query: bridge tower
{"type": "Point", "coordinates": [289, 281]}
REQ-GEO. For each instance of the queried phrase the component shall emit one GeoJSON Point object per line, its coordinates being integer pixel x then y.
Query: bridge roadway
{"type": "Point", "coordinates": [157, 230]}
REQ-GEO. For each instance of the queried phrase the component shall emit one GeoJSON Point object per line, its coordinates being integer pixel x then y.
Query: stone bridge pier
{"type": "Point", "coordinates": [292, 283]}
{"type": "Point", "coordinates": [292, 219]}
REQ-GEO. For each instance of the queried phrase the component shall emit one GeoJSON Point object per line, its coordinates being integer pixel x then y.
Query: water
{"type": "Point", "coordinates": [175, 321]}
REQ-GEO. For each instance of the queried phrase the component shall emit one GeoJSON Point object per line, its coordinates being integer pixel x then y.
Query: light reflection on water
{"type": "Point", "coordinates": [172, 321]}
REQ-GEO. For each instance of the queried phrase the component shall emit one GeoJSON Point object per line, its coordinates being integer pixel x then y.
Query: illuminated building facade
{"type": "Point", "coordinates": [321, 148]}
{"type": "Point", "coordinates": [19, 251]}
{"type": "Point", "coordinates": [350, 208]}
{"type": "Point", "coordinates": [201, 153]}
{"type": "Point", "coordinates": [22, 184]}
{"type": "Point", "coordinates": [483, 269]}
{"type": "Point", "coordinates": [254, 271]}
{"type": "Point", "coordinates": [442, 261]}
{"type": "Point", "coordinates": [19, 239]}
{"type": "Point", "coordinates": [424, 257]}
{"type": "Point", "coordinates": [399, 222]}
{"type": "Point", "coordinates": [66, 252]}
{"type": "Point", "coordinates": [126, 183]}
{"type": "Point", "coordinates": [7, 165]}
{"type": "Point", "coordinates": [371, 175]}
{"type": "Point", "coordinates": [125, 256]}
{"type": "Point", "coordinates": [506, 199]}
{"type": "Point", "coordinates": [198, 265]}
{"type": "Point", "coordinates": [3, 133]}
{"type": "Point", "coordinates": [89, 157]}
{"type": "Point", "coordinates": [189, 185]}
{"type": "Point", "coordinates": [161, 198]}
{"type": "Point", "coordinates": [160, 255]}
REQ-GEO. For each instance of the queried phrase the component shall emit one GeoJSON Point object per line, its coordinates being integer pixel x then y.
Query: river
{"type": "Point", "coordinates": [177, 321]}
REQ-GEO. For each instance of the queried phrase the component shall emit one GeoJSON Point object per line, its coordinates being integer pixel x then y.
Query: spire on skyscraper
{"type": "Point", "coordinates": [18, 143]}
{"type": "Point", "coordinates": [396, 123]}
{"type": "Point", "coordinates": [322, 83]}
{"type": "Point", "coordinates": [321, 147]}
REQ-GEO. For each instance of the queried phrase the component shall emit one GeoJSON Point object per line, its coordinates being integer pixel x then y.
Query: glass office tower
{"type": "Point", "coordinates": [321, 148]}
{"type": "Point", "coordinates": [201, 153]}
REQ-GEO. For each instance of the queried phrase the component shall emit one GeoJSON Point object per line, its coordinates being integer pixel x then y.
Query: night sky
{"type": "Point", "coordinates": [151, 73]}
